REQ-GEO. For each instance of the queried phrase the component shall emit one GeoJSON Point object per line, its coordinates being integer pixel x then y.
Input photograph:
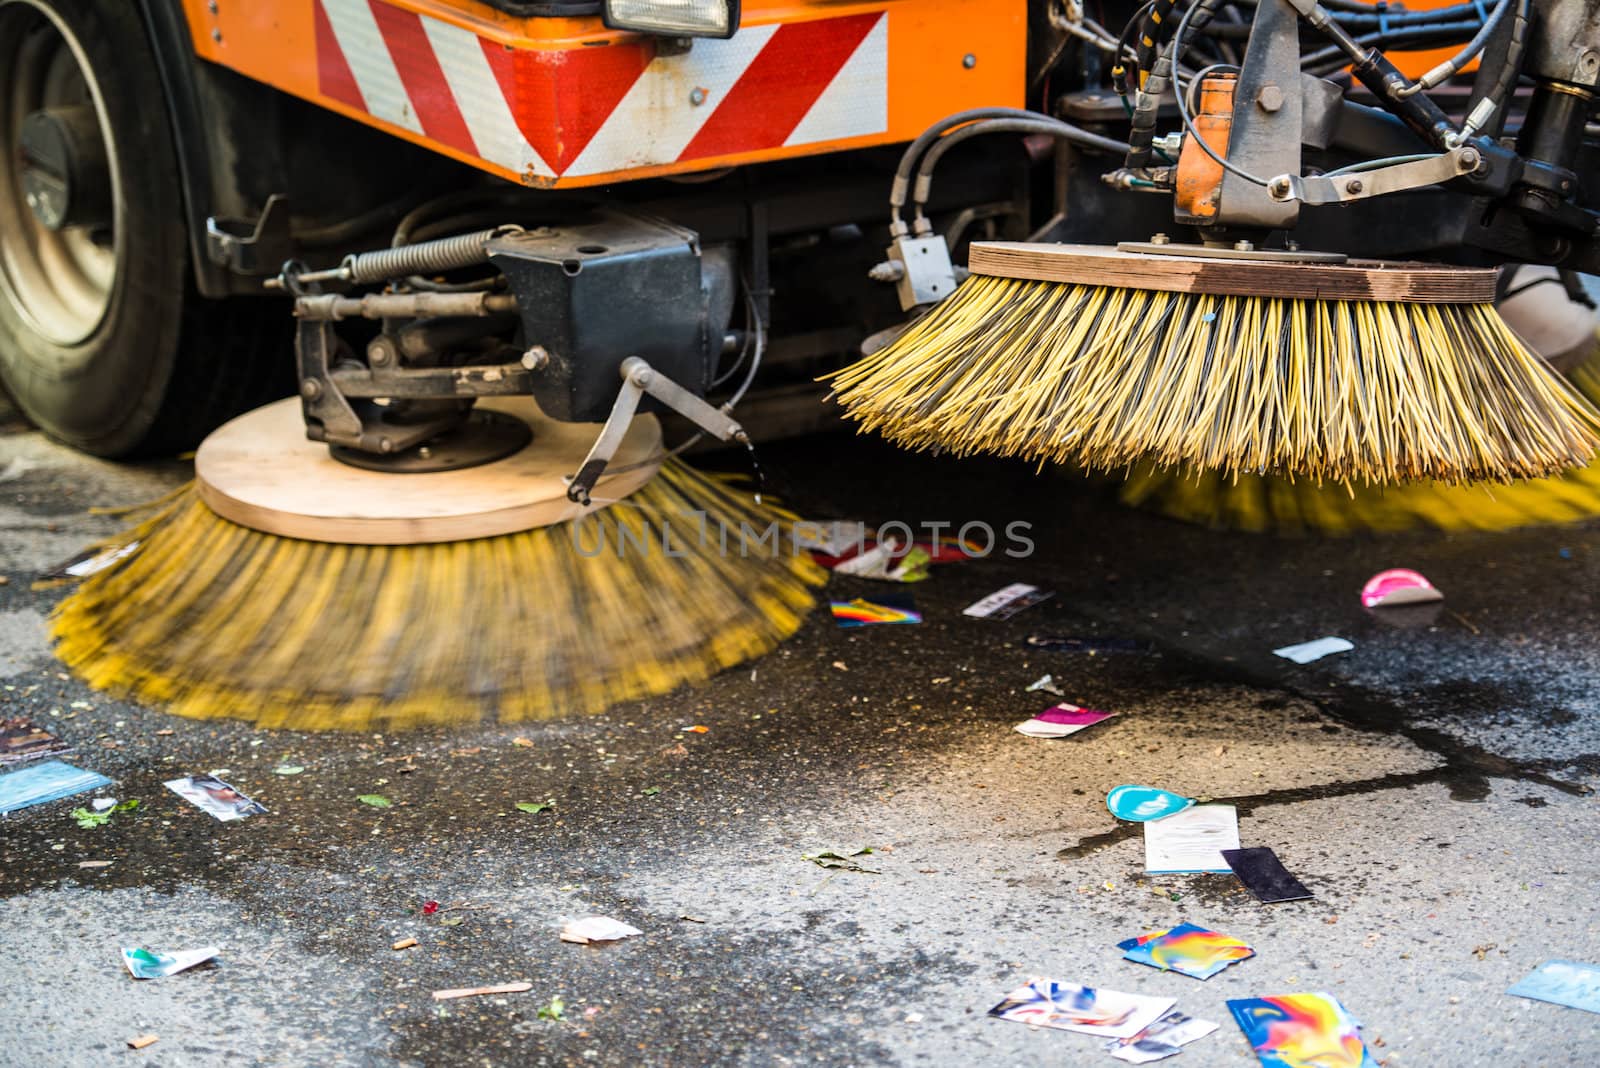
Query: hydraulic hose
{"type": "Point", "coordinates": [1035, 124]}
{"type": "Point", "coordinates": [901, 187]}
{"type": "Point", "coordinates": [1450, 66]}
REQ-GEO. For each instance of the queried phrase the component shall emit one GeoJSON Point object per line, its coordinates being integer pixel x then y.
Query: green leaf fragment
{"type": "Point", "coordinates": [288, 769]}
{"type": "Point", "coordinates": [535, 807]}
{"type": "Point", "coordinates": [375, 800]}
{"type": "Point", "coordinates": [650, 791]}
{"type": "Point", "coordinates": [553, 1011]}
{"type": "Point", "coordinates": [833, 858]}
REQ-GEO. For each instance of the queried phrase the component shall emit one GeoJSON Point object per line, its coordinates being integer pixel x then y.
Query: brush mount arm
{"type": "Point", "coordinates": [639, 379]}
{"type": "Point", "coordinates": [1359, 185]}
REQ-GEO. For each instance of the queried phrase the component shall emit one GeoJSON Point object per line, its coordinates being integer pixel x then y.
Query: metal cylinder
{"type": "Point", "coordinates": [1553, 129]}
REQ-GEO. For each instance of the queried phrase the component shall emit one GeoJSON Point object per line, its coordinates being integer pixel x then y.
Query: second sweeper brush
{"type": "Point", "coordinates": [1350, 372]}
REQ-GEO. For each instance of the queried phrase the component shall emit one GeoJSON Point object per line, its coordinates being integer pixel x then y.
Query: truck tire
{"type": "Point", "coordinates": [104, 342]}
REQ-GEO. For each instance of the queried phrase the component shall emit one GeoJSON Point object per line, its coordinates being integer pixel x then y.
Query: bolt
{"type": "Point", "coordinates": [212, 7]}
{"type": "Point", "coordinates": [1469, 159]}
{"type": "Point", "coordinates": [1353, 186]}
{"type": "Point", "coordinates": [216, 35]}
{"type": "Point", "coordinates": [969, 61]}
{"type": "Point", "coordinates": [1280, 187]}
{"type": "Point", "coordinates": [697, 96]}
{"type": "Point", "coordinates": [1243, 246]}
{"type": "Point", "coordinates": [1270, 98]}
{"type": "Point", "coordinates": [424, 453]}
{"type": "Point", "coordinates": [536, 358]}
{"type": "Point", "coordinates": [1160, 239]}
{"type": "Point", "coordinates": [1291, 246]}
{"type": "Point", "coordinates": [385, 446]}
{"type": "Point", "coordinates": [380, 353]}
{"type": "Point", "coordinates": [310, 389]}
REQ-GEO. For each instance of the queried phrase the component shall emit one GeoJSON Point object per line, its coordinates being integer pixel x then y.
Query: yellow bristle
{"type": "Point", "coordinates": [1284, 506]}
{"type": "Point", "coordinates": [213, 619]}
{"type": "Point", "coordinates": [1103, 377]}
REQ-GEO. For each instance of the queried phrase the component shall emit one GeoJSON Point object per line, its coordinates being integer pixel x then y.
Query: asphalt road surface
{"type": "Point", "coordinates": [1433, 787]}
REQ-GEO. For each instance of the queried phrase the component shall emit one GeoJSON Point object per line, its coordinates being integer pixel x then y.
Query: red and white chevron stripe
{"type": "Point", "coordinates": [546, 114]}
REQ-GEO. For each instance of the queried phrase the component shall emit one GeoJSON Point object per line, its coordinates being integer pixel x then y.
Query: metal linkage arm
{"type": "Point", "coordinates": [639, 379]}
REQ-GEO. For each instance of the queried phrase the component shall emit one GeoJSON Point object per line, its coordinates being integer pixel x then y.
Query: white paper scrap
{"type": "Point", "coordinates": [1306, 652]}
{"type": "Point", "coordinates": [1191, 840]}
{"type": "Point", "coordinates": [1160, 1040]}
{"type": "Point", "coordinates": [597, 929]}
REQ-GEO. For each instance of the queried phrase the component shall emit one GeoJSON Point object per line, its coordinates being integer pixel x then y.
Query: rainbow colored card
{"type": "Point", "coordinates": [1301, 1031]}
{"type": "Point", "coordinates": [1186, 949]}
{"type": "Point", "coordinates": [884, 608]}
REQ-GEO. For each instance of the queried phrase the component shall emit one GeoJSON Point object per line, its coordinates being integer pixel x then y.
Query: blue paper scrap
{"type": "Point", "coordinates": [45, 782]}
{"type": "Point", "coordinates": [1563, 982]}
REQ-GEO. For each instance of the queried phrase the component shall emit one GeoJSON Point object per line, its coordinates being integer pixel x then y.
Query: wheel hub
{"type": "Point", "coordinates": [65, 178]}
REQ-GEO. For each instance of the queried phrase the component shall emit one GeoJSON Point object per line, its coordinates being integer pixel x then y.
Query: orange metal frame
{"type": "Point", "coordinates": [565, 102]}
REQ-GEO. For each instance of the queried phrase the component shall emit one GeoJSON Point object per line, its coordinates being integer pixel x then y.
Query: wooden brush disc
{"type": "Point", "coordinates": [260, 471]}
{"type": "Point", "coordinates": [1102, 265]}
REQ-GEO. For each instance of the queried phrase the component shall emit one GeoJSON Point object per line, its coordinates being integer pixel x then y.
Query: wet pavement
{"type": "Point", "coordinates": [1433, 787]}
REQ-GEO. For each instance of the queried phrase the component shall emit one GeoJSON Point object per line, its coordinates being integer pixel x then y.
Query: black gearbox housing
{"type": "Point", "coordinates": [595, 291]}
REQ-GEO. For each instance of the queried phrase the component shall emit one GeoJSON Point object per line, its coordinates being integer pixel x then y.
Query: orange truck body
{"type": "Point", "coordinates": [566, 102]}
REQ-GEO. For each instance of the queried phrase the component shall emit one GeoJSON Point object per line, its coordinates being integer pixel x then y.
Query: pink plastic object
{"type": "Point", "coordinates": [1398, 585]}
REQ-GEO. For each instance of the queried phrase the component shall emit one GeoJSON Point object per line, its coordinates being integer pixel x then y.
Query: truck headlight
{"type": "Point", "coordinates": [674, 18]}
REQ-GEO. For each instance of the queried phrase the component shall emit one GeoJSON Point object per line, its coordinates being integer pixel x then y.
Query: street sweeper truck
{"type": "Point", "coordinates": [445, 287]}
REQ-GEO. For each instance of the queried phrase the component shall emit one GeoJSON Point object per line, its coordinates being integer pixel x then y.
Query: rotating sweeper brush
{"type": "Point", "coordinates": [440, 533]}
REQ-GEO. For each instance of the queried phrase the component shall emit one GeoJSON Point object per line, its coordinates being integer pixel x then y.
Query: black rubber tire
{"type": "Point", "coordinates": [165, 365]}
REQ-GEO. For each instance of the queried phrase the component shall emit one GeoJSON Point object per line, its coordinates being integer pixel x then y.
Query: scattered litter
{"type": "Point", "coordinates": [522, 743]}
{"type": "Point", "coordinates": [1162, 1039]}
{"type": "Point", "coordinates": [216, 797]}
{"type": "Point", "coordinates": [533, 808]}
{"type": "Point", "coordinates": [147, 964]}
{"type": "Point", "coordinates": [884, 608]}
{"type": "Point", "coordinates": [1058, 721]}
{"type": "Point", "coordinates": [1301, 1031]}
{"type": "Point", "coordinates": [1562, 982]}
{"type": "Point", "coordinates": [1264, 875]}
{"type": "Point", "coordinates": [1087, 1010]}
{"type": "Point", "coordinates": [288, 769]}
{"type": "Point", "coordinates": [1186, 949]}
{"type": "Point", "coordinates": [1054, 643]}
{"type": "Point", "coordinates": [1007, 601]}
{"type": "Point", "coordinates": [50, 781]}
{"type": "Point", "coordinates": [692, 919]}
{"type": "Point", "coordinates": [555, 1010]}
{"type": "Point", "coordinates": [142, 1041]}
{"type": "Point", "coordinates": [404, 943]}
{"type": "Point", "coordinates": [1140, 804]}
{"type": "Point", "coordinates": [22, 740]}
{"type": "Point", "coordinates": [102, 813]}
{"type": "Point", "coordinates": [429, 908]}
{"type": "Point", "coordinates": [839, 665]}
{"type": "Point", "coordinates": [698, 728]}
{"type": "Point", "coordinates": [888, 561]}
{"type": "Point", "coordinates": [650, 791]}
{"type": "Point", "coordinates": [1306, 652]}
{"type": "Point", "coordinates": [1191, 840]}
{"type": "Point", "coordinates": [833, 858]}
{"type": "Point", "coordinates": [1047, 684]}
{"type": "Point", "coordinates": [95, 863]}
{"type": "Point", "coordinates": [1398, 585]}
{"type": "Point", "coordinates": [89, 562]}
{"type": "Point", "coordinates": [597, 929]}
{"type": "Point", "coordinates": [375, 800]}
{"type": "Point", "coordinates": [475, 991]}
